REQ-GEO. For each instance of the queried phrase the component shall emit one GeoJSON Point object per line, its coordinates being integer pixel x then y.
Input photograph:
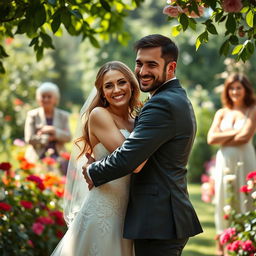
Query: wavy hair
{"type": "Point", "coordinates": [99, 101]}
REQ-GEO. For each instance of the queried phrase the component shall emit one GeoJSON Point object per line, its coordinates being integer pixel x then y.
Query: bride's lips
{"type": "Point", "coordinates": [118, 97]}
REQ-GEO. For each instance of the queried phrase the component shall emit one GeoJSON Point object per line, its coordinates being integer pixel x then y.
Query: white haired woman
{"type": "Point", "coordinates": [46, 127]}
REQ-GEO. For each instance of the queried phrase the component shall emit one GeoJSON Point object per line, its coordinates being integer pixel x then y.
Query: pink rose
{"type": "Point", "coordinates": [227, 235]}
{"type": "Point", "coordinates": [172, 11]}
{"type": "Point", "coordinates": [232, 5]}
{"type": "Point", "coordinates": [38, 228]}
{"type": "Point", "coordinates": [248, 246]}
{"type": "Point", "coordinates": [233, 247]}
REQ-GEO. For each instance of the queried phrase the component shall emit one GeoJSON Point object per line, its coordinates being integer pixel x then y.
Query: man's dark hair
{"type": "Point", "coordinates": [170, 51]}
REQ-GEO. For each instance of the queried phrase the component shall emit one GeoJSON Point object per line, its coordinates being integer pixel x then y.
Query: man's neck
{"type": "Point", "coordinates": [153, 92]}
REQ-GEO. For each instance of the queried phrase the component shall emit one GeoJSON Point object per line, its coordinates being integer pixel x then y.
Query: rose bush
{"type": "Point", "coordinates": [31, 220]}
{"type": "Point", "coordinates": [240, 237]}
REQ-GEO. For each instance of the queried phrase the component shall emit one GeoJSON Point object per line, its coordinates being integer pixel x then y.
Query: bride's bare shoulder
{"type": "Point", "coordinates": [100, 116]}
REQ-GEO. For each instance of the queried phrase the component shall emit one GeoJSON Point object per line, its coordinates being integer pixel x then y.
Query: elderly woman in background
{"type": "Point", "coordinates": [46, 127]}
{"type": "Point", "coordinates": [232, 129]}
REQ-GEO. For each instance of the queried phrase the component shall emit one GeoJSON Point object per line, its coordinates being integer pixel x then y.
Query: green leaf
{"type": "Point", "coordinates": [47, 40]}
{"type": "Point", "coordinates": [192, 23]}
{"type": "Point", "coordinates": [224, 49]}
{"type": "Point", "coordinates": [40, 16]}
{"type": "Point", "coordinates": [211, 28]}
{"type": "Point", "coordinates": [65, 17]}
{"type": "Point", "coordinates": [176, 30]}
{"type": "Point", "coordinates": [249, 18]}
{"type": "Point", "coordinates": [94, 41]}
{"type": "Point", "coordinates": [39, 53]}
{"type": "Point", "coordinates": [250, 48]}
{"type": "Point", "coordinates": [237, 49]}
{"type": "Point", "coordinates": [231, 24]}
{"type": "Point", "coordinates": [34, 41]}
{"type": "Point", "coordinates": [105, 5]}
{"type": "Point", "coordinates": [22, 27]}
{"type": "Point", "coordinates": [55, 24]}
{"type": "Point", "coordinates": [218, 16]}
{"type": "Point", "coordinates": [183, 19]}
{"type": "Point", "coordinates": [2, 69]}
{"type": "Point", "coordinates": [233, 40]}
{"type": "Point", "coordinates": [3, 53]}
{"type": "Point", "coordinates": [203, 38]}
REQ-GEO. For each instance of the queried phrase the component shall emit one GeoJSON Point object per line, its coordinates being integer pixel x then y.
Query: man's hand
{"type": "Point", "coordinates": [87, 178]}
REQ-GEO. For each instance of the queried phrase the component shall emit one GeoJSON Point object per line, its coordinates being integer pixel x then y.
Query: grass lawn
{"type": "Point", "coordinates": [203, 244]}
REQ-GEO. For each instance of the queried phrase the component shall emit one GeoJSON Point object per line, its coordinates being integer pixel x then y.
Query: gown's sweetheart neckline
{"type": "Point", "coordinates": [103, 145]}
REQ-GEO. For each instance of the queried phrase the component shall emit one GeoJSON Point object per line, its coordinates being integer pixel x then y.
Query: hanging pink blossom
{"type": "Point", "coordinates": [232, 5]}
{"type": "Point", "coordinates": [193, 14]}
{"type": "Point", "coordinates": [172, 11]}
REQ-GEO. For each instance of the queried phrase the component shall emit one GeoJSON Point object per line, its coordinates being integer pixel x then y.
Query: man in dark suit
{"type": "Point", "coordinates": [160, 217]}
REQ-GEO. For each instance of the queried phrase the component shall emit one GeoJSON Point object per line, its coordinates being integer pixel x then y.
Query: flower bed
{"type": "Point", "coordinates": [31, 220]}
{"type": "Point", "coordinates": [240, 237]}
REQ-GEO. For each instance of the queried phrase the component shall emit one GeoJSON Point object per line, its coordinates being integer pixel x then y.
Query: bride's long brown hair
{"type": "Point", "coordinates": [100, 101]}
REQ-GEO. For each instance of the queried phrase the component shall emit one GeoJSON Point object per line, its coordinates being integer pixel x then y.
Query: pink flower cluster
{"type": "Point", "coordinates": [245, 246]}
{"type": "Point", "coordinates": [227, 235]}
{"type": "Point", "coordinates": [175, 10]}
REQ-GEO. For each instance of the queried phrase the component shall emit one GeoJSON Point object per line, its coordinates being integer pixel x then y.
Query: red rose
{"type": "Point", "coordinates": [5, 166]}
{"type": "Point", "coordinates": [245, 189]}
{"type": "Point", "coordinates": [5, 206]}
{"type": "Point", "coordinates": [45, 220]}
{"type": "Point", "coordinates": [26, 204]}
{"type": "Point", "coordinates": [251, 175]}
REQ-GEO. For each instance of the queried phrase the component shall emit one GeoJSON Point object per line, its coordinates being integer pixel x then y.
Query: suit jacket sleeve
{"type": "Point", "coordinates": [155, 127]}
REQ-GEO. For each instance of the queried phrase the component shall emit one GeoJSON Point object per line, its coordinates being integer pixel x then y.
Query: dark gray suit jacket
{"type": "Point", "coordinates": [159, 205]}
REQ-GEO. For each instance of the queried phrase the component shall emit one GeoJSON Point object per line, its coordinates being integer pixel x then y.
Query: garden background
{"type": "Point", "coordinates": [73, 64]}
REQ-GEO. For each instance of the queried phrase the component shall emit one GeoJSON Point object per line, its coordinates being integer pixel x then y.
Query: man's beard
{"type": "Point", "coordinates": [155, 84]}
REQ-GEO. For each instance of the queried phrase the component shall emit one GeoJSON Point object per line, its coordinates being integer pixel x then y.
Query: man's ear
{"type": "Point", "coordinates": [170, 69]}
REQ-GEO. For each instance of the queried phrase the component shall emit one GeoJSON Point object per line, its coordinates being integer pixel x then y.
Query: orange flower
{"type": "Point", "coordinates": [25, 165]}
{"type": "Point", "coordinates": [49, 160]}
{"type": "Point", "coordinates": [21, 156]}
{"type": "Point", "coordinates": [18, 102]}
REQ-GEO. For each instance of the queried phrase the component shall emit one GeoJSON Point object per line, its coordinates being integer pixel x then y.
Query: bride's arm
{"type": "Point", "coordinates": [103, 127]}
{"type": "Point", "coordinates": [215, 135]}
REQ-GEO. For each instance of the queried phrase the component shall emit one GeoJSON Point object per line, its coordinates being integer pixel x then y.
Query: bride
{"type": "Point", "coordinates": [95, 218]}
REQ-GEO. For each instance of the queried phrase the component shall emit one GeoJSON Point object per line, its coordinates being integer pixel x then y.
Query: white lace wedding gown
{"type": "Point", "coordinates": [97, 229]}
{"type": "Point", "coordinates": [232, 160]}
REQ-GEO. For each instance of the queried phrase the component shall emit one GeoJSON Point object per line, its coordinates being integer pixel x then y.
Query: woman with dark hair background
{"type": "Point", "coordinates": [233, 128]}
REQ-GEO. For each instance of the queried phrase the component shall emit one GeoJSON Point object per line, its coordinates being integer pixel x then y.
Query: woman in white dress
{"type": "Point", "coordinates": [96, 220]}
{"type": "Point", "coordinates": [233, 128]}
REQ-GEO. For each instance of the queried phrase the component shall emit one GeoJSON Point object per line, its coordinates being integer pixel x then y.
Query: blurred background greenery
{"type": "Point", "coordinates": [74, 63]}
{"type": "Point", "coordinates": [73, 66]}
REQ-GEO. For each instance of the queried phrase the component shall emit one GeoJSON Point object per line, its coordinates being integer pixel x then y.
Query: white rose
{"type": "Point", "coordinates": [226, 170]}
{"type": "Point", "coordinates": [229, 178]}
{"type": "Point", "coordinates": [227, 209]}
{"type": "Point", "coordinates": [254, 195]}
{"type": "Point", "coordinates": [250, 184]}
